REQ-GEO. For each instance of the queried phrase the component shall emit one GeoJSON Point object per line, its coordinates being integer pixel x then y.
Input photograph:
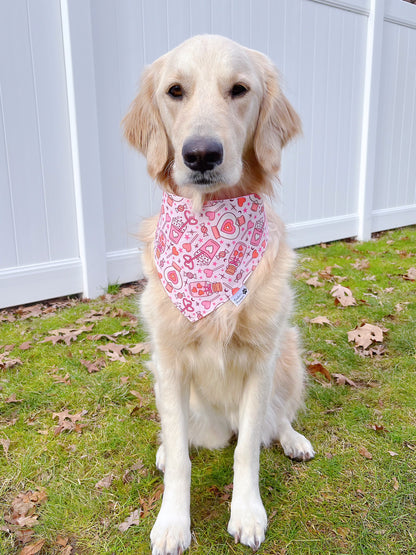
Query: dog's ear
{"type": "Point", "coordinates": [278, 122]}
{"type": "Point", "coordinates": [143, 126]}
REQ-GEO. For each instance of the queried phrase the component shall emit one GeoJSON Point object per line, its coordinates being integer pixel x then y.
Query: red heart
{"type": "Point", "coordinates": [175, 251]}
{"type": "Point", "coordinates": [255, 254]}
{"type": "Point", "coordinates": [228, 227]}
{"type": "Point", "coordinates": [241, 201]}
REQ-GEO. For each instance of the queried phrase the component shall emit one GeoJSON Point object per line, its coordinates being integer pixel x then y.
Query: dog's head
{"type": "Point", "coordinates": [209, 112]}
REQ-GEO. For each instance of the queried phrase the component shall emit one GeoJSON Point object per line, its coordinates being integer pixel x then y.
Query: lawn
{"type": "Point", "coordinates": [79, 428]}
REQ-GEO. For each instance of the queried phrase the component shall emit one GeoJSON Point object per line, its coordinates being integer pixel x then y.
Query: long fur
{"type": "Point", "coordinates": [238, 370]}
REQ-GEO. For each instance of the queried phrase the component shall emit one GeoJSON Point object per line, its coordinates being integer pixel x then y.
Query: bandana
{"type": "Point", "coordinates": [204, 259]}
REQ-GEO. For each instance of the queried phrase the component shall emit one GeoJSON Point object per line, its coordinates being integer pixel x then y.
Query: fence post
{"type": "Point", "coordinates": [82, 107]}
{"type": "Point", "coordinates": [370, 115]}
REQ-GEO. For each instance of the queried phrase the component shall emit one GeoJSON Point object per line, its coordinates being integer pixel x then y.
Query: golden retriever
{"type": "Point", "coordinates": [211, 119]}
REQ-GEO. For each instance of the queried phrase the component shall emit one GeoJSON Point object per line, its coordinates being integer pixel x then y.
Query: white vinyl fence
{"type": "Point", "coordinates": [72, 193]}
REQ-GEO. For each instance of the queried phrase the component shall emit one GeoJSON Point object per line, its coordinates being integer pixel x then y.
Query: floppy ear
{"type": "Point", "coordinates": [277, 124]}
{"type": "Point", "coordinates": [143, 126]}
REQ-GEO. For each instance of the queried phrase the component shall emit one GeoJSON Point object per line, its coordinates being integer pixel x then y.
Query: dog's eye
{"type": "Point", "coordinates": [238, 90]}
{"type": "Point", "coordinates": [175, 91]}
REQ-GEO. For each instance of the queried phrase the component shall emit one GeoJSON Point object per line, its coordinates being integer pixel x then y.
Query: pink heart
{"type": "Point", "coordinates": [206, 304]}
{"type": "Point", "coordinates": [168, 218]}
{"type": "Point", "coordinates": [208, 272]}
{"type": "Point", "coordinates": [187, 247]}
{"type": "Point", "coordinates": [211, 215]}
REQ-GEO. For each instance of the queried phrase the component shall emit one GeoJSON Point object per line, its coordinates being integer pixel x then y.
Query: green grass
{"type": "Point", "coordinates": [339, 503]}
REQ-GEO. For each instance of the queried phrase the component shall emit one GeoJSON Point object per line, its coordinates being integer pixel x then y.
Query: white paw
{"type": "Point", "coordinates": [297, 447]}
{"type": "Point", "coordinates": [160, 458]}
{"type": "Point", "coordinates": [171, 534]}
{"type": "Point", "coordinates": [248, 523]}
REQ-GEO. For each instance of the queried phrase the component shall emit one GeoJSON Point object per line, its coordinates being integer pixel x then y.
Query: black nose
{"type": "Point", "coordinates": [202, 154]}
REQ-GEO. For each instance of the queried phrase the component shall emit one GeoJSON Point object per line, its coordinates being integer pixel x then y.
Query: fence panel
{"type": "Point", "coordinates": [73, 193]}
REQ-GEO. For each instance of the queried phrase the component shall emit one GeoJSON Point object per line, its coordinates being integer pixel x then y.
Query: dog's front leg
{"type": "Point", "coordinates": [171, 533]}
{"type": "Point", "coordinates": [248, 519]}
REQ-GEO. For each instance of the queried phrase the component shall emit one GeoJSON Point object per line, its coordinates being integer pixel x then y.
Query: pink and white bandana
{"type": "Point", "coordinates": [204, 259]}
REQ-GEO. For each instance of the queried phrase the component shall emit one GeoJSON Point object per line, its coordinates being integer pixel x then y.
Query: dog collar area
{"type": "Point", "coordinates": [204, 259]}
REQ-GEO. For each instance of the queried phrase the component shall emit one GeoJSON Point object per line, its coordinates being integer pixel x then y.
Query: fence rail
{"type": "Point", "coordinates": [72, 193]}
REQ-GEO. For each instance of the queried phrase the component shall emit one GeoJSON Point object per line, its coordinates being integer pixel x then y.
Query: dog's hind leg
{"type": "Point", "coordinates": [286, 399]}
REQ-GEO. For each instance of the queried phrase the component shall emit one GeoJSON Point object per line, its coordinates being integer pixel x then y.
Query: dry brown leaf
{"type": "Point", "coordinates": [6, 362]}
{"type": "Point", "coordinates": [320, 320]}
{"type": "Point", "coordinates": [66, 335]}
{"type": "Point", "coordinates": [25, 346]}
{"type": "Point", "coordinates": [68, 422]}
{"type": "Point", "coordinates": [113, 351]}
{"type": "Point", "coordinates": [62, 379]}
{"type": "Point", "coordinates": [132, 519]}
{"type": "Point", "coordinates": [94, 366]}
{"type": "Point", "coordinates": [5, 443]}
{"type": "Point", "coordinates": [363, 451]}
{"type": "Point", "coordinates": [105, 482]}
{"type": "Point", "coordinates": [361, 264]}
{"type": "Point", "coordinates": [147, 504]}
{"type": "Point", "coordinates": [396, 485]}
{"type": "Point", "coordinates": [318, 368]}
{"type": "Point", "coordinates": [140, 348]}
{"type": "Point", "coordinates": [340, 379]}
{"type": "Point", "coordinates": [62, 541]}
{"type": "Point", "coordinates": [12, 399]}
{"type": "Point", "coordinates": [343, 295]}
{"type": "Point", "coordinates": [366, 334]}
{"type": "Point", "coordinates": [314, 281]}
{"type": "Point", "coordinates": [410, 275]}
{"type": "Point", "coordinates": [32, 548]}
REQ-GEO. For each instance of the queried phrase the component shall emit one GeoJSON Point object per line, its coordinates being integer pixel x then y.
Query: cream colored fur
{"type": "Point", "coordinates": [238, 370]}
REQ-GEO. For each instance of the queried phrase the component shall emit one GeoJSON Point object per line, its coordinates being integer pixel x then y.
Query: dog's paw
{"type": "Point", "coordinates": [297, 447]}
{"type": "Point", "coordinates": [248, 523]}
{"type": "Point", "coordinates": [160, 458]}
{"type": "Point", "coordinates": [171, 535]}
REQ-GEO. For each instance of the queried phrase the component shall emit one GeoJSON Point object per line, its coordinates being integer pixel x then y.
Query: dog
{"type": "Point", "coordinates": [212, 120]}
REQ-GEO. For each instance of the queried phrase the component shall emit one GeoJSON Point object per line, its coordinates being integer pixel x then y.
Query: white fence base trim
{"type": "Point", "coordinates": [318, 231]}
{"type": "Point", "coordinates": [389, 218]}
{"type": "Point", "coordinates": [123, 266]}
{"type": "Point", "coordinates": [40, 281]}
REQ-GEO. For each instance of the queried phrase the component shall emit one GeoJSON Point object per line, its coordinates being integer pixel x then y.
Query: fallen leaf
{"type": "Point", "coordinates": [361, 264]}
{"type": "Point", "coordinates": [340, 379]}
{"type": "Point", "coordinates": [113, 351]}
{"type": "Point", "coordinates": [132, 519]}
{"type": "Point", "coordinates": [94, 366]}
{"type": "Point", "coordinates": [147, 504]}
{"type": "Point", "coordinates": [25, 346]}
{"type": "Point", "coordinates": [396, 486]}
{"type": "Point", "coordinates": [343, 295]}
{"type": "Point", "coordinates": [12, 399]}
{"type": "Point", "coordinates": [63, 542]}
{"type": "Point", "coordinates": [24, 535]}
{"type": "Point", "coordinates": [140, 348]}
{"type": "Point", "coordinates": [363, 451]}
{"type": "Point", "coordinates": [410, 275]}
{"type": "Point", "coordinates": [6, 362]}
{"type": "Point", "coordinates": [105, 482]}
{"type": "Point", "coordinates": [314, 281]}
{"type": "Point", "coordinates": [32, 548]}
{"type": "Point", "coordinates": [320, 320]}
{"type": "Point", "coordinates": [68, 422]}
{"type": "Point", "coordinates": [66, 335]}
{"type": "Point", "coordinates": [366, 334]}
{"type": "Point", "coordinates": [5, 442]}
{"type": "Point", "coordinates": [393, 453]}
{"type": "Point", "coordinates": [318, 368]}
{"type": "Point", "coordinates": [62, 379]}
